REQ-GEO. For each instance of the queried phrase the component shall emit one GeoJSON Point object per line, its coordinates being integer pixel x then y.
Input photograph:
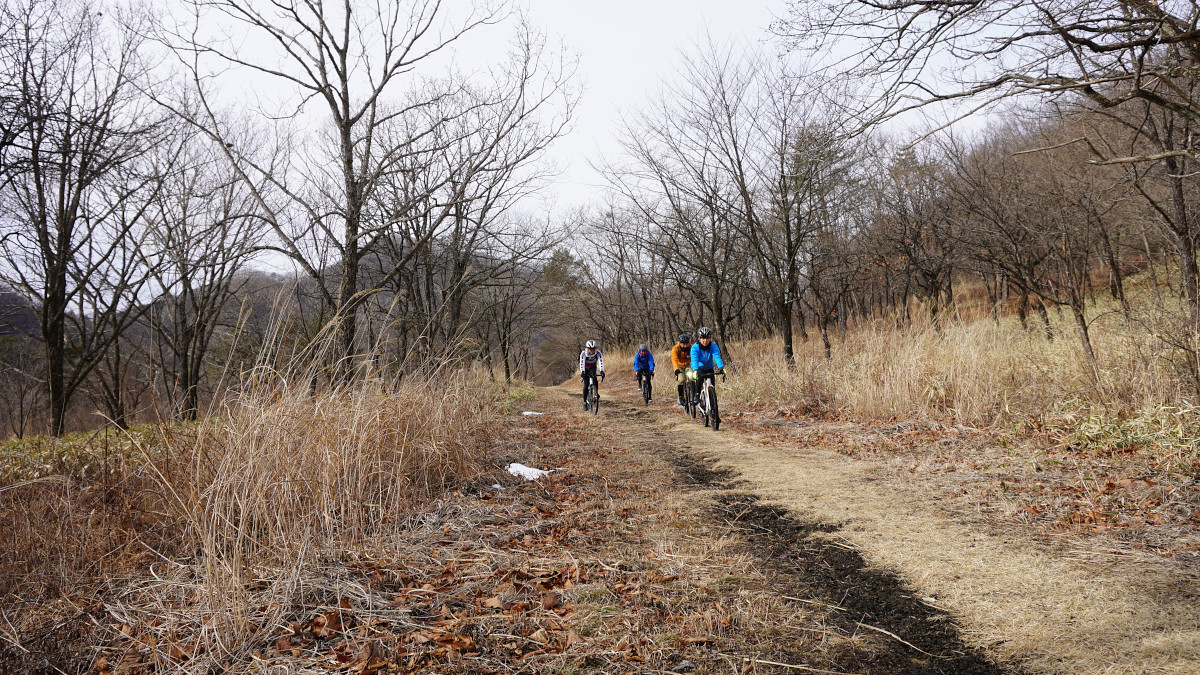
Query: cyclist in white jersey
{"type": "Point", "coordinates": [591, 362]}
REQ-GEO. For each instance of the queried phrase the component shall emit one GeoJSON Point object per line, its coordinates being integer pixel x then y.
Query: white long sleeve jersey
{"type": "Point", "coordinates": [586, 360]}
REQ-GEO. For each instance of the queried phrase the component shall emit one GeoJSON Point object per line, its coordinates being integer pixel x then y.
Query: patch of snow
{"type": "Point", "coordinates": [526, 472]}
{"type": "Point", "coordinates": [497, 486]}
{"type": "Point", "coordinates": [530, 413]}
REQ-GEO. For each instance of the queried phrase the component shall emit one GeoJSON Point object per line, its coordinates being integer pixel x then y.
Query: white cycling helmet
{"type": "Point", "coordinates": [591, 344]}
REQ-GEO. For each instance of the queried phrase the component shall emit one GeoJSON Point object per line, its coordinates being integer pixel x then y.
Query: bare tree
{"type": "Point", "coordinates": [676, 181]}
{"type": "Point", "coordinates": [359, 66]}
{"type": "Point", "coordinates": [1109, 52]}
{"type": "Point", "coordinates": [203, 227]}
{"type": "Point", "coordinates": [1136, 59]}
{"type": "Point", "coordinates": [75, 189]}
{"type": "Point", "coordinates": [916, 227]}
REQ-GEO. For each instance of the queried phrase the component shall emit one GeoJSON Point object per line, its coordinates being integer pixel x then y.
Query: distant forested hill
{"type": "Point", "coordinates": [17, 315]}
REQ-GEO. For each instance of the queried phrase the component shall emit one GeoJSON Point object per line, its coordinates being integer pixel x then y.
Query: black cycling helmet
{"type": "Point", "coordinates": [704, 332]}
{"type": "Point", "coordinates": [643, 348]}
{"type": "Point", "coordinates": [684, 338]}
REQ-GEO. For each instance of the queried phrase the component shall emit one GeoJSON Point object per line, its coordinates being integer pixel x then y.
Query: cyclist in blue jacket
{"type": "Point", "coordinates": [643, 364]}
{"type": "Point", "coordinates": [706, 358]}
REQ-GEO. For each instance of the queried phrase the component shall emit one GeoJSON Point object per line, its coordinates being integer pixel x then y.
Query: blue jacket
{"type": "Point", "coordinates": [640, 363]}
{"type": "Point", "coordinates": [706, 359]}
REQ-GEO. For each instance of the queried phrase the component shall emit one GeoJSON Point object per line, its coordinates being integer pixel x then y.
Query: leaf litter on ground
{"type": "Point", "coordinates": [594, 567]}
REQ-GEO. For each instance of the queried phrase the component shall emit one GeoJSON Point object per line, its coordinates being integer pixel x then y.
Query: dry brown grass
{"type": "Point", "coordinates": [287, 477]}
{"type": "Point", "coordinates": [204, 530]}
{"type": "Point", "coordinates": [605, 565]}
{"type": "Point", "coordinates": [980, 374]}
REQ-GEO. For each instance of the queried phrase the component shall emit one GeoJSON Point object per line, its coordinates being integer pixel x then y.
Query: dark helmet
{"type": "Point", "coordinates": [591, 344]}
{"type": "Point", "coordinates": [643, 348]}
{"type": "Point", "coordinates": [704, 332]}
{"type": "Point", "coordinates": [684, 338]}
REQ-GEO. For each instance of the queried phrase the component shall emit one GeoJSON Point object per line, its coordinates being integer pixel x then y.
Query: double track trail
{"type": "Point", "coordinates": [957, 595]}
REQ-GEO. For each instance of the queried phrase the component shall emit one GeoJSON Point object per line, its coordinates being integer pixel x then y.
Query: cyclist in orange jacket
{"type": "Point", "coordinates": [681, 361]}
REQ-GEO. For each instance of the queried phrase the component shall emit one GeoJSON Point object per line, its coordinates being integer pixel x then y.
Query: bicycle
{"type": "Point", "coordinates": [689, 394]}
{"type": "Point", "coordinates": [593, 395]}
{"type": "Point", "coordinates": [645, 386]}
{"type": "Point", "coordinates": [707, 401]}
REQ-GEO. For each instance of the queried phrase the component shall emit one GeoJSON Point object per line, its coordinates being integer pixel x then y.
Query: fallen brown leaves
{"type": "Point", "coordinates": [1122, 501]}
{"type": "Point", "coordinates": [599, 566]}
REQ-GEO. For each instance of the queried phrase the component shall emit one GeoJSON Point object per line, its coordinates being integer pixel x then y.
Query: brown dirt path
{"type": "Point", "coordinates": [1016, 597]}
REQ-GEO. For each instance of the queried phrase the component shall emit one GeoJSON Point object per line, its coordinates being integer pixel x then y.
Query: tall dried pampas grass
{"type": "Point", "coordinates": [286, 478]}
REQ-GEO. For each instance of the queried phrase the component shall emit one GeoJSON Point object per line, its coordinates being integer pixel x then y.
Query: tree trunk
{"type": "Point", "coordinates": [504, 350]}
{"type": "Point", "coordinates": [823, 321]}
{"type": "Point", "coordinates": [1086, 340]}
{"type": "Point", "coordinates": [1041, 307]}
{"type": "Point", "coordinates": [1116, 286]}
{"type": "Point", "coordinates": [56, 359]}
{"type": "Point", "coordinates": [785, 327]}
{"type": "Point", "coordinates": [347, 326]}
{"type": "Point", "coordinates": [1183, 234]}
{"type": "Point", "coordinates": [1187, 261]}
{"type": "Point", "coordinates": [719, 322]}
{"type": "Point", "coordinates": [992, 287]}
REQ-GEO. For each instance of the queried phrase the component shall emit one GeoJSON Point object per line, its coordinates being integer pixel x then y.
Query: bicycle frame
{"type": "Point", "coordinates": [705, 387]}
{"type": "Point", "coordinates": [645, 385]}
{"type": "Point", "coordinates": [707, 400]}
{"type": "Point", "coordinates": [593, 394]}
{"type": "Point", "coordinates": [690, 394]}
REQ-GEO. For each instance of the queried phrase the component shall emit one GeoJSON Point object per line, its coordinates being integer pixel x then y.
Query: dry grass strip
{"type": "Point", "coordinates": [1021, 600]}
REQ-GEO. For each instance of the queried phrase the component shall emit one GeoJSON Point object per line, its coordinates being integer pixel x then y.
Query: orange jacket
{"type": "Point", "coordinates": [681, 357]}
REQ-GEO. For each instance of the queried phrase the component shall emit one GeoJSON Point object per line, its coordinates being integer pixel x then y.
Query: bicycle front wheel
{"type": "Point", "coordinates": [712, 408]}
{"type": "Point", "coordinates": [594, 399]}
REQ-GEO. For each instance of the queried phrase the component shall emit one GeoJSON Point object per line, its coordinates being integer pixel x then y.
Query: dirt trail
{"type": "Point", "coordinates": [1019, 599]}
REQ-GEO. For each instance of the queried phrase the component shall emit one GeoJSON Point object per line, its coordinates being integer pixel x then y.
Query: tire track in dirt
{"type": "Point", "coordinates": [871, 544]}
{"type": "Point", "coordinates": [810, 568]}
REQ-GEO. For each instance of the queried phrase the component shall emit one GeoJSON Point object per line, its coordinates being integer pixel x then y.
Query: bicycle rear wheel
{"type": "Point", "coordinates": [690, 392]}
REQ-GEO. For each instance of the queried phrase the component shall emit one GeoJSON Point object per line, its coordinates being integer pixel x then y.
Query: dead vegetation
{"type": "Point", "coordinates": [614, 563]}
{"type": "Point", "coordinates": [1128, 502]}
{"type": "Point", "coordinates": [205, 521]}
{"type": "Point", "coordinates": [346, 538]}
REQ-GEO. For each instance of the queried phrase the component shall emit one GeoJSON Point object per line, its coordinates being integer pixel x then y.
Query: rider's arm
{"type": "Point", "coordinates": [716, 351]}
{"type": "Point", "coordinates": [695, 356]}
{"type": "Point", "coordinates": [650, 358]}
{"type": "Point", "coordinates": [581, 361]}
{"type": "Point", "coordinates": [600, 361]}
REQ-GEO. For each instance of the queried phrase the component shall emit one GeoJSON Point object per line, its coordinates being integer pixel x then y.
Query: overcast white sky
{"type": "Point", "coordinates": [625, 49]}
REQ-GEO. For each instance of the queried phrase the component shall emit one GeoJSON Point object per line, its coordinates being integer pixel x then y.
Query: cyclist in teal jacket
{"type": "Point", "coordinates": [706, 359]}
{"type": "Point", "coordinates": [706, 355]}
